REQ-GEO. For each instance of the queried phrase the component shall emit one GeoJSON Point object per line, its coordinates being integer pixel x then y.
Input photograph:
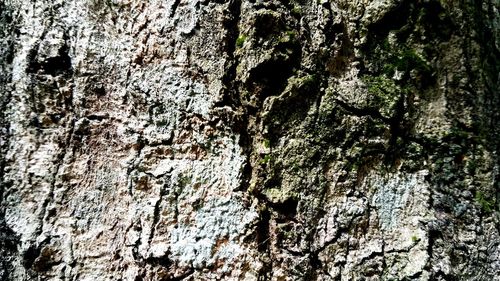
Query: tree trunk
{"type": "Point", "coordinates": [249, 140]}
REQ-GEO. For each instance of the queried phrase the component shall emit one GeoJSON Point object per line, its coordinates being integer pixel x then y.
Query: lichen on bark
{"type": "Point", "coordinates": [249, 140]}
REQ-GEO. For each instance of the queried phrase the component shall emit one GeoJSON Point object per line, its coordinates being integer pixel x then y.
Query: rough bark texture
{"type": "Point", "coordinates": [249, 140]}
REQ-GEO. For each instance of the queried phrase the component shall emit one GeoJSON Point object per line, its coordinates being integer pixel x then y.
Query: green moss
{"type": "Point", "coordinates": [353, 166]}
{"type": "Point", "coordinates": [414, 239]}
{"type": "Point", "coordinates": [405, 60]}
{"type": "Point", "coordinates": [266, 143]}
{"type": "Point", "coordinates": [386, 45]}
{"type": "Point", "coordinates": [240, 40]}
{"type": "Point", "coordinates": [409, 60]}
{"type": "Point", "coordinates": [296, 168]}
{"type": "Point", "coordinates": [292, 34]}
{"type": "Point", "coordinates": [310, 79]}
{"type": "Point", "coordinates": [184, 181]}
{"type": "Point", "coordinates": [384, 93]}
{"type": "Point", "coordinates": [487, 204]}
{"type": "Point", "coordinates": [301, 83]}
{"type": "Point", "coordinates": [297, 10]}
{"type": "Point", "coordinates": [266, 159]}
{"type": "Point", "coordinates": [380, 85]}
{"type": "Point", "coordinates": [288, 36]}
{"type": "Point", "coordinates": [472, 166]}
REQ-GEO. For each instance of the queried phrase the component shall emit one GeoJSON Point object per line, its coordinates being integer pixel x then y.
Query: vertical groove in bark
{"type": "Point", "coordinates": [8, 238]}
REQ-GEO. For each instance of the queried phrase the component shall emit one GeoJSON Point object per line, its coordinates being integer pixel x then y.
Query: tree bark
{"type": "Point", "coordinates": [249, 140]}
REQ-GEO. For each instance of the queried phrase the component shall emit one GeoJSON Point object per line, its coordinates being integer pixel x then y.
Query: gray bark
{"type": "Point", "coordinates": [249, 140]}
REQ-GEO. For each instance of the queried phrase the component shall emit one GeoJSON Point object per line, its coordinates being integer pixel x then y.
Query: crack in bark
{"type": "Point", "coordinates": [362, 112]}
{"type": "Point", "coordinates": [174, 7]}
{"type": "Point", "coordinates": [59, 163]}
{"type": "Point", "coordinates": [156, 215]}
